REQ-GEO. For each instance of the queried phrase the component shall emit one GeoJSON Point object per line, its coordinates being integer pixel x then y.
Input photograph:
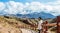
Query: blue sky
{"type": "Point", "coordinates": [23, 1]}
{"type": "Point", "coordinates": [30, 6]}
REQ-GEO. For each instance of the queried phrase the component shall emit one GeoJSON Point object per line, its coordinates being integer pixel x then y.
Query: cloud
{"type": "Point", "coordinates": [55, 7]}
{"type": "Point", "coordinates": [2, 6]}
{"type": "Point", "coordinates": [13, 7]}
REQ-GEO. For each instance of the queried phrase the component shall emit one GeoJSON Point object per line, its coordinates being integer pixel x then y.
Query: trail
{"type": "Point", "coordinates": [27, 31]}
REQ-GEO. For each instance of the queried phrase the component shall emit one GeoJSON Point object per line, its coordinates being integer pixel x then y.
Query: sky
{"type": "Point", "coordinates": [30, 6]}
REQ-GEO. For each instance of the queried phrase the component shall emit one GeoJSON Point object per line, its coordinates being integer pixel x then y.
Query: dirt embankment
{"type": "Point", "coordinates": [13, 25]}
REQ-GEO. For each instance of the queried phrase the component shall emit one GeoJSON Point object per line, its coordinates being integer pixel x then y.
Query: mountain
{"type": "Point", "coordinates": [32, 15]}
{"type": "Point", "coordinates": [36, 15]}
{"type": "Point", "coordinates": [46, 15]}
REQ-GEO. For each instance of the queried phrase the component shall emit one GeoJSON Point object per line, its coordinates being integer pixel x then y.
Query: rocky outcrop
{"type": "Point", "coordinates": [19, 25]}
{"type": "Point", "coordinates": [11, 25]}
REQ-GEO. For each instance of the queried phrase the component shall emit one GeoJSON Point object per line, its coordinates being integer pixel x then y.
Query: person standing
{"type": "Point", "coordinates": [39, 25]}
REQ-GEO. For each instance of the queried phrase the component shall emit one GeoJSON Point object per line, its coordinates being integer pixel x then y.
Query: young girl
{"type": "Point", "coordinates": [39, 25]}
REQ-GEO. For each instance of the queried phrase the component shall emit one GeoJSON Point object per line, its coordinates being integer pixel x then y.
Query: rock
{"type": "Point", "coordinates": [27, 31]}
{"type": "Point", "coordinates": [6, 28]}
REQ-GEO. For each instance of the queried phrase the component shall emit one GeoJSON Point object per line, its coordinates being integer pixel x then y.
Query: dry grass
{"type": "Point", "coordinates": [13, 24]}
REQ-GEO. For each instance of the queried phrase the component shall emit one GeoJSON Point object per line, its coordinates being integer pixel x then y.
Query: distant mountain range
{"type": "Point", "coordinates": [33, 15]}
{"type": "Point", "coordinates": [36, 15]}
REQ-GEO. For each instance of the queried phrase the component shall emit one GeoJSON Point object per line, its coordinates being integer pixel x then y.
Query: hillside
{"type": "Point", "coordinates": [14, 24]}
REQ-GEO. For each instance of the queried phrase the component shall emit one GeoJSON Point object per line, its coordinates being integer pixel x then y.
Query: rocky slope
{"type": "Point", "coordinates": [14, 25]}
{"type": "Point", "coordinates": [17, 25]}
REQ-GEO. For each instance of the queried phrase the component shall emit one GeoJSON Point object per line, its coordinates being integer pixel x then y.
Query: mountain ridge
{"type": "Point", "coordinates": [43, 15]}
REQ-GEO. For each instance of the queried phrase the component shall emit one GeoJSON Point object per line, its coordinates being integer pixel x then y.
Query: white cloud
{"type": "Point", "coordinates": [2, 6]}
{"type": "Point", "coordinates": [55, 7]}
{"type": "Point", "coordinates": [12, 7]}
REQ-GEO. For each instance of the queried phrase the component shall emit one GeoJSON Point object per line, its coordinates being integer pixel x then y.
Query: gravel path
{"type": "Point", "coordinates": [27, 31]}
